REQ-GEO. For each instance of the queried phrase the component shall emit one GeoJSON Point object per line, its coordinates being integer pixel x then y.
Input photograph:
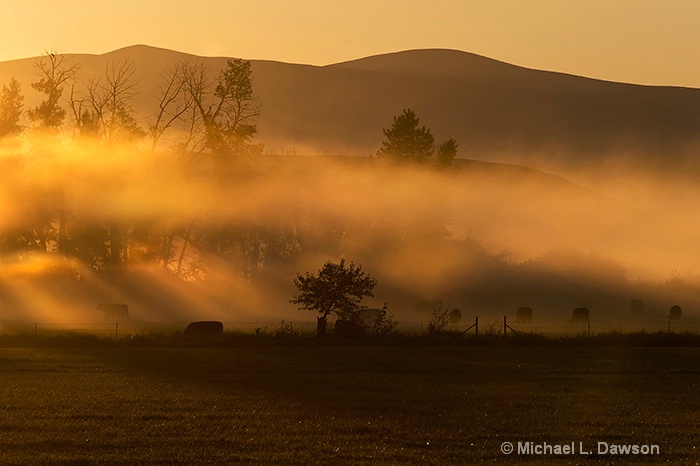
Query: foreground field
{"type": "Point", "coordinates": [344, 405]}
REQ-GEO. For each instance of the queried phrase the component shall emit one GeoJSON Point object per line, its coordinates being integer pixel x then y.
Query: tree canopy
{"type": "Point", "coordinates": [446, 153]}
{"type": "Point", "coordinates": [406, 140]}
{"type": "Point", "coordinates": [336, 289]}
{"type": "Point", "coordinates": [53, 72]}
{"type": "Point", "coordinates": [11, 99]}
{"type": "Point", "coordinates": [228, 114]}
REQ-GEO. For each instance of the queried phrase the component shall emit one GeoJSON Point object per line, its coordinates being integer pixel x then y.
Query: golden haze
{"type": "Point", "coordinates": [483, 237]}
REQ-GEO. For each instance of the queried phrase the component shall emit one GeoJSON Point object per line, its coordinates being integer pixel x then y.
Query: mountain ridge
{"type": "Point", "coordinates": [495, 110]}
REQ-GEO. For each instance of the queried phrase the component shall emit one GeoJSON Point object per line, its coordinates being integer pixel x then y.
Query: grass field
{"type": "Point", "coordinates": [344, 404]}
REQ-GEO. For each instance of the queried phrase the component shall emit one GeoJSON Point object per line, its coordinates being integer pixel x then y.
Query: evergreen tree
{"type": "Point", "coordinates": [11, 99]}
{"type": "Point", "coordinates": [446, 154]}
{"type": "Point", "coordinates": [406, 140]}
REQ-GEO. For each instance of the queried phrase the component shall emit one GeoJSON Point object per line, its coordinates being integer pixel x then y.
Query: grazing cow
{"type": "Point", "coordinates": [204, 328]}
{"type": "Point", "coordinates": [114, 310]}
{"type": "Point", "coordinates": [348, 329]}
{"type": "Point", "coordinates": [455, 316]}
{"type": "Point", "coordinates": [580, 315]}
{"type": "Point", "coordinates": [675, 312]}
{"type": "Point", "coordinates": [523, 314]}
{"type": "Point", "coordinates": [637, 306]}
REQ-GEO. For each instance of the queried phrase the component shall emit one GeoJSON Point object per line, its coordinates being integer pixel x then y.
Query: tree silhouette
{"type": "Point", "coordinates": [10, 108]}
{"type": "Point", "coordinates": [406, 140]}
{"type": "Point", "coordinates": [53, 72]}
{"type": "Point", "coordinates": [226, 110]}
{"type": "Point", "coordinates": [446, 154]}
{"type": "Point", "coordinates": [336, 289]}
{"type": "Point", "coordinates": [174, 104]}
{"type": "Point", "coordinates": [105, 109]}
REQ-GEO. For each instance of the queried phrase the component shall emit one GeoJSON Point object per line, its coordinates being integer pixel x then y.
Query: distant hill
{"type": "Point", "coordinates": [494, 110]}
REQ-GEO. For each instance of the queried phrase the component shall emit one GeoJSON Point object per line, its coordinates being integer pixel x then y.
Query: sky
{"type": "Point", "coordinates": [639, 41]}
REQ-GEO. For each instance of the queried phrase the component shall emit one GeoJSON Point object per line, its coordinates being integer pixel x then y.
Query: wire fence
{"type": "Point", "coordinates": [468, 325]}
{"type": "Point", "coordinates": [563, 327]}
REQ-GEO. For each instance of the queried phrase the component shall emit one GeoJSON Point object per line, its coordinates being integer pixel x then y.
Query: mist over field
{"type": "Point", "coordinates": [179, 235]}
{"type": "Point", "coordinates": [482, 237]}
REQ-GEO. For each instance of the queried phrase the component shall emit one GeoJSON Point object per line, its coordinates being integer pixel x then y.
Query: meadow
{"type": "Point", "coordinates": [343, 404]}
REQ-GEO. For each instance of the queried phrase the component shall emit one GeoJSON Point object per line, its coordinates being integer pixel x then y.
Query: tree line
{"type": "Point", "coordinates": [216, 121]}
{"type": "Point", "coordinates": [211, 121]}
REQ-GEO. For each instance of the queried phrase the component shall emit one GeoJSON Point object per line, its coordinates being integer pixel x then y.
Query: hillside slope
{"type": "Point", "coordinates": [494, 110]}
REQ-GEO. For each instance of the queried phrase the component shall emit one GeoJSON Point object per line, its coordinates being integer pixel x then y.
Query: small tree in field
{"type": "Point", "coordinates": [336, 289]}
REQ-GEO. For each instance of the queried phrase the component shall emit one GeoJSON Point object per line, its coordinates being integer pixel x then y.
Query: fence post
{"type": "Point", "coordinates": [476, 326]}
{"type": "Point", "coordinates": [506, 327]}
{"type": "Point", "coordinates": [35, 328]}
{"type": "Point", "coordinates": [589, 328]}
{"type": "Point", "coordinates": [116, 330]}
{"type": "Point", "coordinates": [669, 325]}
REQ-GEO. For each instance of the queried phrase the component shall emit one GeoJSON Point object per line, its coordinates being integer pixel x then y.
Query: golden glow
{"type": "Point", "coordinates": [644, 220]}
{"type": "Point", "coordinates": [639, 41]}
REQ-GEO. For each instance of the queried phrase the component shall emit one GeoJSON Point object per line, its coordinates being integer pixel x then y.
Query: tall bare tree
{"type": "Point", "coordinates": [104, 110]}
{"type": "Point", "coordinates": [85, 117]}
{"type": "Point", "coordinates": [54, 71]}
{"type": "Point", "coordinates": [105, 107]}
{"type": "Point", "coordinates": [174, 105]}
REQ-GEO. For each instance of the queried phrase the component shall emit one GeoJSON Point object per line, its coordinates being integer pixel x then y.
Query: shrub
{"type": "Point", "coordinates": [439, 320]}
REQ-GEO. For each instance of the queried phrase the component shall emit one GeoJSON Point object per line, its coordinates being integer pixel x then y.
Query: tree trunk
{"type": "Point", "coordinates": [186, 241]}
{"type": "Point", "coordinates": [321, 327]}
{"type": "Point", "coordinates": [62, 221]}
{"type": "Point", "coordinates": [116, 244]}
{"type": "Point", "coordinates": [167, 248]}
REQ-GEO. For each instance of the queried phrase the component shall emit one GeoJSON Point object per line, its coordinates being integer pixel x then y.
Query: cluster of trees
{"type": "Point", "coordinates": [208, 123]}
{"type": "Point", "coordinates": [215, 118]}
{"type": "Point", "coordinates": [408, 141]}
{"type": "Point", "coordinates": [218, 113]}
{"type": "Point", "coordinates": [211, 121]}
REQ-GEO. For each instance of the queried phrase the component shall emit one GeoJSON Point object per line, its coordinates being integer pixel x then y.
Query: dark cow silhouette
{"type": "Point", "coordinates": [204, 328]}
{"type": "Point", "coordinates": [675, 312]}
{"type": "Point", "coordinates": [348, 329]}
{"type": "Point", "coordinates": [368, 315]}
{"type": "Point", "coordinates": [114, 310]}
{"type": "Point", "coordinates": [523, 314]}
{"type": "Point", "coordinates": [637, 306]}
{"type": "Point", "coordinates": [580, 314]}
